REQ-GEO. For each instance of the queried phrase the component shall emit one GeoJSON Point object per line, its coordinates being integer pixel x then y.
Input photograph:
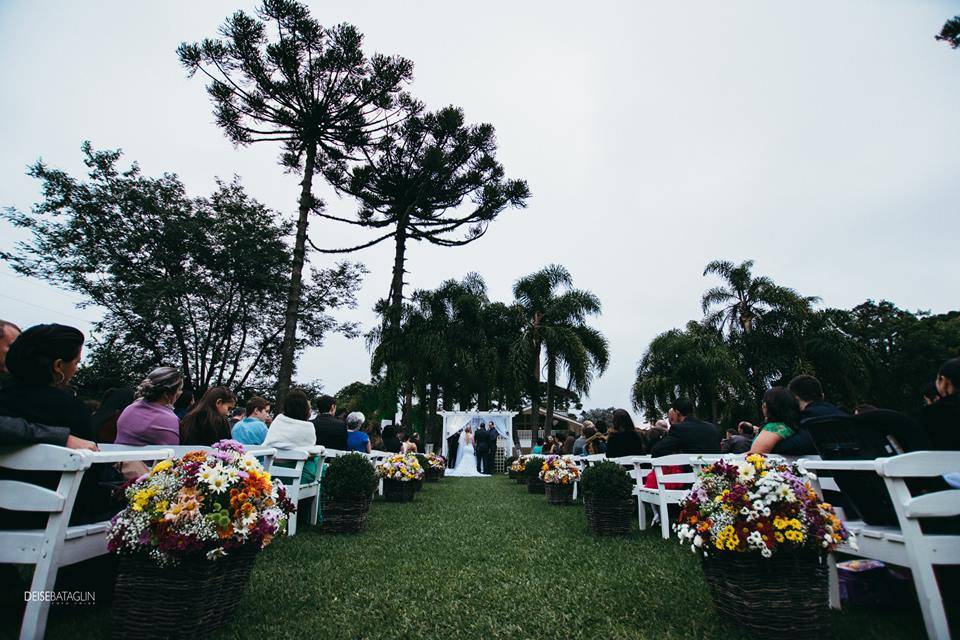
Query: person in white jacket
{"type": "Point", "coordinates": [292, 429]}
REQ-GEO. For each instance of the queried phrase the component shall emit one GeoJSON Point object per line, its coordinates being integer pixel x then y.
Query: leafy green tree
{"type": "Point", "coordinates": [744, 298]}
{"type": "Point", "coordinates": [951, 32]}
{"type": "Point", "coordinates": [556, 329]}
{"type": "Point", "coordinates": [195, 282]}
{"type": "Point", "coordinates": [595, 415]}
{"type": "Point", "coordinates": [358, 396]}
{"type": "Point", "coordinates": [695, 362]}
{"type": "Point", "coordinates": [281, 77]}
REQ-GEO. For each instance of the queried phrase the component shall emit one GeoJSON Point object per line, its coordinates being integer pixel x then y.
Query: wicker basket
{"type": "Point", "coordinates": [433, 475]}
{"type": "Point", "coordinates": [785, 595]}
{"type": "Point", "coordinates": [608, 517]}
{"type": "Point", "coordinates": [193, 599]}
{"type": "Point", "coordinates": [344, 516]}
{"type": "Point", "coordinates": [398, 490]}
{"type": "Point", "coordinates": [512, 474]}
{"type": "Point", "coordinates": [559, 494]}
{"type": "Point", "coordinates": [535, 486]}
{"type": "Point", "coordinates": [521, 478]}
{"type": "Point", "coordinates": [417, 484]}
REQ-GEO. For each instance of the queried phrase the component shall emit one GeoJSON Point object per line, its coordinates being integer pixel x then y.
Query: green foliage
{"type": "Point", "coordinates": [196, 283]}
{"type": "Point", "coordinates": [349, 477]}
{"type": "Point", "coordinates": [533, 466]}
{"type": "Point", "coordinates": [951, 32]}
{"type": "Point", "coordinates": [358, 396]}
{"type": "Point", "coordinates": [606, 480]}
{"type": "Point", "coordinates": [595, 415]}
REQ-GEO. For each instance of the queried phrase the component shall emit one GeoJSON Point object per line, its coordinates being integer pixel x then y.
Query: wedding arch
{"type": "Point", "coordinates": [456, 421]}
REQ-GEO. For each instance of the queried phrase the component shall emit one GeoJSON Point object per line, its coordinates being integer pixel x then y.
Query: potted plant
{"type": "Point", "coordinates": [399, 473]}
{"type": "Point", "coordinates": [558, 474]}
{"type": "Point", "coordinates": [345, 494]}
{"type": "Point", "coordinates": [517, 467]}
{"type": "Point", "coordinates": [607, 498]}
{"type": "Point", "coordinates": [531, 474]}
{"type": "Point", "coordinates": [763, 536]}
{"type": "Point", "coordinates": [188, 538]}
{"type": "Point", "coordinates": [435, 466]}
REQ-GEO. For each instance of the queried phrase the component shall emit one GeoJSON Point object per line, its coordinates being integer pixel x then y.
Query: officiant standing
{"type": "Point", "coordinates": [483, 449]}
{"type": "Point", "coordinates": [492, 437]}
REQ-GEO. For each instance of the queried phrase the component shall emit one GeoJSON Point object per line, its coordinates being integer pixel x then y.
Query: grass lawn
{"type": "Point", "coordinates": [478, 558]}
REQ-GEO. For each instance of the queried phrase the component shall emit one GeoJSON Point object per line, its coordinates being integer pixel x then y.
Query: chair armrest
{"type": "Point", "coordinates": [837, 465]}
{"type": "Point", "coordinates": [143, 455]}
{"type": "Point", "coordinates": [260, 451]}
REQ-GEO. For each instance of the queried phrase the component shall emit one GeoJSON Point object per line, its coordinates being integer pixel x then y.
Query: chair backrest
{"type": "Point", "coordinates": [665, 476]}
{"type": "Point", "coordinates": [943, 503]}
{"type": "Point", "coordinates": [868, 436]}
{"type": "Point", "coordinates": [22, 495]}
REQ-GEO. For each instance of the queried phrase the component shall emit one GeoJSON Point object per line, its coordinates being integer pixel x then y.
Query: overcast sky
{"type": "Point", "coordinates": [818, 138]}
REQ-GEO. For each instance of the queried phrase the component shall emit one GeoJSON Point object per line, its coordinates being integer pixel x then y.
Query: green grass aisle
{"type": "Point", "coordinates": [476, 558]}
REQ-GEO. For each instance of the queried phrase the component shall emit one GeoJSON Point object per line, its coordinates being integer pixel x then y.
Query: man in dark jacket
{"type": "Point", "coordinates": [810, 397]}
{"type": "Point", "coordinates": [941, 419]}
{"type": "Point", "coordinates": [331, 433]}
{"type": "Point", "coordinates": [687, 434]}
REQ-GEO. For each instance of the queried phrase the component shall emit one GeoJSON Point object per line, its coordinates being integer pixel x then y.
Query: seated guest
{"type": "Point", "coordinates": [357, 440]}
{"type": "Point", "coordinates": [595, 443]}
{"type": "Point", "coordinates": [150, 419]}
{"type": "Point", "coordinates": [601, 426]}
{"type": "Point", "coordinates": [8, 333]}
{"type": "Point", "coordinates": [292, 429]}
{"type": "Point", "coordinates": [809, 394]}
{"type": "Point", "coordinates": [41, 361]}
{"type": "Point", "coordinates": [17, 431]}
{"type": "Point", "coordinates": [331, 431]}
{"type": "Point", "coordinates": [687, 434]}
{"type": "Point", "coordinates": [105, 418]}
{"type": "Point", "coordinates": [567, 447]}
{"type": "Point", "coordinates": [236, 416]}
{"type": "Point", "coordinates": [376, 437]}
{"type": "Point", "coordinates": [781, 414]}
{"type": "Point", "coordinates": [253, 428]}
{"type": "Point", "coordinates": [580, 444]}
{"type": "Point", "coordinates": [538, 448]}
{"type": "Point", "coordinates": [207, 422]}
{"type": "Point", "coordinates": [739, 440]}
{"type": "Point", "coordinates": [941, 420]}
{"type": "Point", "coordinates": [624, 441]}
{"type": "Point", "coordinates": [391, 443]}
{"type": "Point", "coordinates": [930, 393]}
{"type": "Point", "coordinates": [184, 403]}
{"type": "Point", "coordinates": [409, 445]}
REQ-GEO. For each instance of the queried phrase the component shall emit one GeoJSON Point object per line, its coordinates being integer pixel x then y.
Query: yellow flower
{"type": "Point", "coordinates": [161, 467]}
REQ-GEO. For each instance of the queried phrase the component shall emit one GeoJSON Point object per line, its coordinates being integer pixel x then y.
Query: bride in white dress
{"type": "Point", "coordinates": [466, 465]}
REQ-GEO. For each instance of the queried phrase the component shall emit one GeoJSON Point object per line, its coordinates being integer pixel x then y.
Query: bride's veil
{"type": "Point", "coordinates": [460, 448]}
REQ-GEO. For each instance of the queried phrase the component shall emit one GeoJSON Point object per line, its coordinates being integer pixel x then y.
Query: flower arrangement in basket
{"type": "Point", "coordinates": [762, 530]}
{"type": "Point", "coordinates": [400, 473]}
{"type": "Point", "coordinates": [531, 474]}
{"type": "Point", "coordinates": [181, 516]}
{"type": "Point", "coordinates": [558, 474]}
{"type": "Point", "coordinates": [517, 467]}
{"type": "Point", "coordinates": [436, 465]}
{"type": "Point", "coordinates": [207, 502]}
{"type": "Point", "coordinates": [757, 504]}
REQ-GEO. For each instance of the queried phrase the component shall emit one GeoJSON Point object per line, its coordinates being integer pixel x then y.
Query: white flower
{"type": "Point", "coordinates": [766, 553]}
{"type": "Point", "coordinates": [218, 482]}
{"type": "Point", "coordinates": [697, 541]}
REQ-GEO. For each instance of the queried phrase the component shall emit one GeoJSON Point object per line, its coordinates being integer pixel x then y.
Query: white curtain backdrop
{"type": "Point", "coordinates": [454, 423]}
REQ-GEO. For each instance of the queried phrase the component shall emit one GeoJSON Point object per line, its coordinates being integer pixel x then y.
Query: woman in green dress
{"type": "Point", "coordinates": [781, 414]}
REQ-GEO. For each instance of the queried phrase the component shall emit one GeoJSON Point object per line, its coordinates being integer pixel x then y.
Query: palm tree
{"type": "Point", "coordinates": [744, 299]}
{"type": "Point", "coordinates": [555, 327]}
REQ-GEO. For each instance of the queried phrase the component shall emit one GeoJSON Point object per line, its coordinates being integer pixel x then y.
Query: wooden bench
{"type": "Point", "coordinates": [59, 544]}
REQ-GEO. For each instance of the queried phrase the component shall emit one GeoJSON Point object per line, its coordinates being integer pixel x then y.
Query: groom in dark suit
{"type": "Point", "coordinates": [492, 436]}
{"type": "Point", "coordinates": [483, 448]}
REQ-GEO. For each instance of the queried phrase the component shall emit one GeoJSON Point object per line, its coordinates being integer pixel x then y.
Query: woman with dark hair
{"type": "Point", "coordinates": [41, 361]}
{"type": "Point", "coordinates": [293, 428]}
{"type": "Point", "coordinates": [207, 422]}
{"type": "Point", "coordinates": [781, 414]}
{"type": "Point", "coordinates": [391, 442]}
{"type": "Point", "coordinates": [375, 435]}
{"type": "Point", "coordinates": [567, 447]}
{"type": "Point", "coordinates": [105, 417]}
{"type": "Point", "coordinates": [624, 441]}
{"type": "Point", "coordinates": [184, 403]}
{"type": "Point", "coordinates": [150, 419]}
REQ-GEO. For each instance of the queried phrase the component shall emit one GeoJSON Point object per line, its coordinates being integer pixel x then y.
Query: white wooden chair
{"type": "Point", "coordinates": [663, 497]}
{"type": "Point", "coordinates": [297, 490]}
{"type": "Point", "coordinates": [905, 545]}
{"type": "Point", "coordinates": [375, 457]}
{"type": "Point", "coordinates": [58, 544]}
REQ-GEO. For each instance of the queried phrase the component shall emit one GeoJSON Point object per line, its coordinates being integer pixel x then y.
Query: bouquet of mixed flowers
{"type": "Point", "coordinates": [757, 504]}
{"type": "Point", "coordinates": [205, 502]}
{"type": "Point", "coordinates": [559, 470]}
{"type": "Point", "coordinates": [436, 462]}
{"type": "Point", "coordinates": [519, 464]}
{"type": "Point", "coordinates": [402, 467]}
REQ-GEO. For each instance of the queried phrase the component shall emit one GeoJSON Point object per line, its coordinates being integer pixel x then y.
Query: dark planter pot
{"type": "Point", "coordinates": [512, 474]}
{"type": "Point", "coordinates": [417, 484]}
{"type": "Point", "coordinates": [193, 599]}
{"type": "Point", "coordinates": [344, 516]}
{"type": "Point", "coordinates": [522, 479]}
{"type": "Point", "coordinates": [608, 516]}
{"type": "Point", "coordinates": [398, 491]}
{"type": "Point", "coordinates": [559, 494]}
{"type": "Point", "coordinates": [433, 475]}
{"type": "Point", "coordinates": [535, 485]}
{"type": "Point", "coordinates": [785, 595]}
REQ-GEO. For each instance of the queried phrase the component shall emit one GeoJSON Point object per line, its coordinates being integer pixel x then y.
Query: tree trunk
{"type": "Point", "coordinates": [394, 316]}
{"type": "Point", "coordinates": [551, 382]}
{"type": "Point", "coordinates": [432, 417]}
{"type": "Point", "coordinates": [288, 347]}
{"type": "Point", "coordinates": [407, 411]}
{"type": "Point", "coordinates": [535, 392]}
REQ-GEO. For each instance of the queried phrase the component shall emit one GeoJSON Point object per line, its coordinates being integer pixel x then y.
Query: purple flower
{"type": "Point", "coordinates": [229, 445]}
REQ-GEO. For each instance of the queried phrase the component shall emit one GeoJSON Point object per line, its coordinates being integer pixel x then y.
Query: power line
{"type": "Point", "coordinates": [65, 315]}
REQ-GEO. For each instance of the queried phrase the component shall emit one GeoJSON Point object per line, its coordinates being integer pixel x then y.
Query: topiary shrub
{"type": "Point", "coordinates": [349, 477]}
{"type": "Point", "coordinates": [532, 471]}
{"type": "Point", "coordinates": [606, 481]}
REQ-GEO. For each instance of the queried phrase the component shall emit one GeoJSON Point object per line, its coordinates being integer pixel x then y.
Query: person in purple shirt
{"type": "Point", "coordinates": [150, 419]}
